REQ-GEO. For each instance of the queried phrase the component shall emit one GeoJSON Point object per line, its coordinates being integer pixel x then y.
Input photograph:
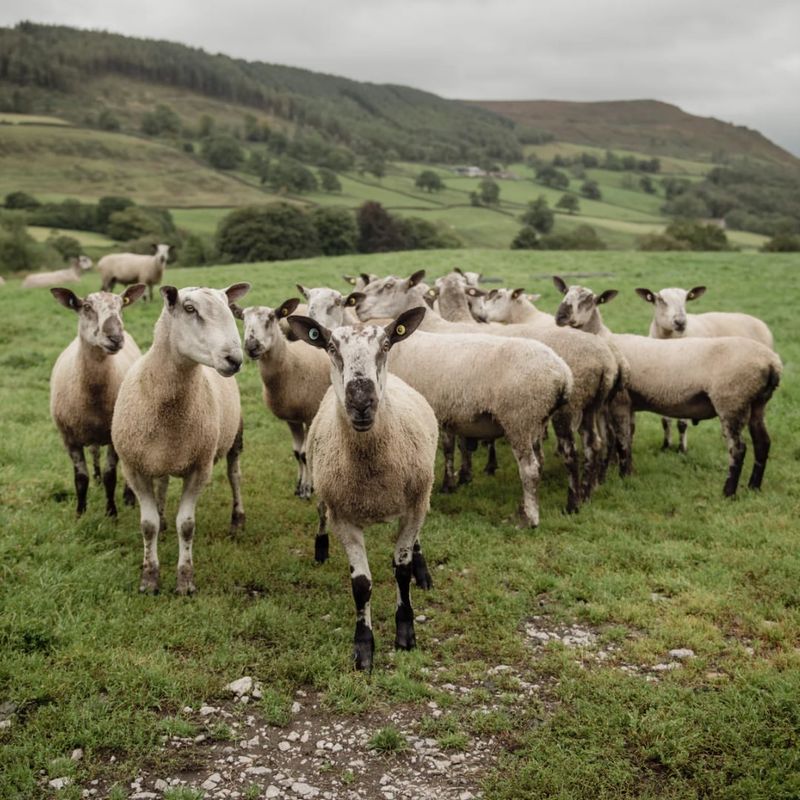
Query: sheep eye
{"type": "Point", "coordinates": [189, 308]}
{"type": "Point", "coordinates": [87, 307]}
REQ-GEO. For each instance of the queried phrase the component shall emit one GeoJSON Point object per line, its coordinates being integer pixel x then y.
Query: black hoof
{"type": "Point", "coordinates": [363, 649]}
{"type": "Point", "coordinates": [419, 569]}
{"type": "Point", "coordinates": [573, 506]}
{"type": "Point", "coordinates": [464, 478]}
{"type": "Point", "coordinates": [111, 511]}
{"type": "Point", "coordinates": [448, 488]}
{"type": "Point", "coordinates": [406, 638]}
{"type": "Point", "coordinates": [238, 520]}
{"type": "Point", "coordinates": [321, 548]}
{"type": "Point", "coordinates": [490, 471]}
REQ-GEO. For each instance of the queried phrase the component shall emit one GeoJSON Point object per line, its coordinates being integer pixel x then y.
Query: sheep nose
{"type": "Point", "coordinates": [234, 362]}
{"type": "Point", "coordinates": [116, 340]}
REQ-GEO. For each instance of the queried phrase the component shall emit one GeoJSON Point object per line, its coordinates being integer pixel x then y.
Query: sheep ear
{"type": "Point", "coordinates": [286, 307]}
{"type": "Point", "coordinates": [236, 291]}
{"type": "Point", "coordinates": [493, 293]}
{"type": "Point", "coordinates": [607, 296]}
{"type": "Point", "coordinates": [67, 298]}
{"type": "Point", "coordinates": [534, 298]}
{"type": "Point", "coordinates": [349, 279]}
{"type": "Point", "coordinates": [693, 294]}
{"type": "Point", "coordinates": [416, 278]}
{"type": "Point", "coordinates": [365, 277]}
{"type": "Point", "coordinates": [646, 295]}
{"type": "Point", "coordinates": [353, 299]}
{"type": "Point", "coordinates": [302, 289]}
{"type": "Point", "coordinates": [170, 294]}
{"type": "Point", "coordinates": [237, 311]}
{"type": "Point", "coordinates": [473, 292]}
{"type": "Point", "coordinates": [309, 331]}
{"type": "Point", "coordinates": [458, 270]}
{"type": "Point", "coordinates": [133, 293]}
{"type": "Point", "coordinates": [404, 325]}
{"type": "Point", "coordinates": [517, 293]}
{"type": "Point", "coordinates": [559, 284]}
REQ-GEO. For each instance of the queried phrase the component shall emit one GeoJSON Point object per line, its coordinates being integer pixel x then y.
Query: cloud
{"type": "Point", "coordinates": [734, 61]}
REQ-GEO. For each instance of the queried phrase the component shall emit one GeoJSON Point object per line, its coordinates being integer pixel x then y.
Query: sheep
{"type": "Point", "coordinates": [176, 414]}
{"type": "Point", "coordinates": [328, 304]}
{"type": "Point", "coordinates": [85, 381]}
{"type": "Point", "coordinates": [595, 370]}
{"type": "Point", "coordinates": [128, 268]}
{"type": "Point", "coordinates": [371, 449]}
{"type": "Point", "coordinates": [294, 377]}
{"type": "Point", "coordinates": [361, 280]}
{"type": "Point", "coordinates": [729, 377]}
{"type": "Point", "coordinates": [72, 274]}
{"type": "Point", "coordinates": [670, 320]}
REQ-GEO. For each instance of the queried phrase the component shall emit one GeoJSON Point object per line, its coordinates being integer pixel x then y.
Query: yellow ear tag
{"type": "Point", "coordinates": [431, 292]}
{"type": "Point", "coordinates": [400, 330]}
{"type": "Point", "coordinates": [285, 312]}
{"type": "Point", "coordinates": [351, 301]}
{"type": "Point", "coordinates": [126, 300]}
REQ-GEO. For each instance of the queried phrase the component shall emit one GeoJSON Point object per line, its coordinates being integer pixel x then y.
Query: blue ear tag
{"type": "Point", "coordinates": [313, 334]}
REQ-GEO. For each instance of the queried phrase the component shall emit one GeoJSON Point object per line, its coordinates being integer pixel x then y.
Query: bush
{"type": "Point", "coordinates": [584, 237]}
{"type": "Point", "coordinates": [197, 251]}
{"type": "Point", "coordinates": [329, 180]}
{"type": "Point", "coordinates": [336, 229]}
{"type": "Point", "coordinates": [266, 233]}
{"type": "Point", "coordinates": [661, 241]}
{"type": "Point", "coordinates": [138, 223]}
{"type": "Point", "coordinates": [161, 120]}
{"type": "Point", "coordinates": [222, 152]}
{"type": "Point", "coordinates": [569, 203]}
{"type": "Point", "coordinates": [289, 175]}
{"type": "Point", "coordinates": [106, 206]}
{"type": "Point", "coordinates": [548, 175]}
{"type": "Point", "coordinates": [489, 192]}
{"type": "Point", "coordinates": [783, 243]}
{"type": "Point", "coordinates": [67, 246]}
{"type": "Point", "coordinates": [67, 214]}
{"type": "Point", "coordinates": [698, 236]}
{"type": "Point", "coordinates": [419, 234]}
{"type": "Point", "coordinates": [538, 216]}
{"type": "Point", "coordinates": [108, 121]}
{"type": "Point", "coordinates": [526, 239]}
{"type": "Point", "coordinates": [591, 191]}
{"type": "Point", "coordinates": [18, 249]}
{"type": "Point", "coordinates": [21, 200]}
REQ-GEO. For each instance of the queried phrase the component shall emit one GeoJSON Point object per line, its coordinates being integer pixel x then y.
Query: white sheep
{"type": "Point", "coordinates": [670, 320]}
{"type": "Point", "coordinates": [128, 268]}
{"type": "Point", "coordinates": [85, 381]}
{"type": "Point", "coordinates": [371, 451]}
{"type": "Point", "coordinates": [72, 274]}
{"type": "Point", "coordinates": [729, 377]}
{"type": "Point", "coordinates": [361, 280]}
{"type": "Point", "coordinates": [177, 413]}
{"type": "Point", "coordinates": [294, 377]}
{"type": "Point", "coordinates": [594, 368]}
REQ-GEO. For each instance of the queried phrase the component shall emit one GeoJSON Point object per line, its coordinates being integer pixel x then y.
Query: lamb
{"type": "Point", "coordinates": [295, 377]}
{"type": "Point", "coordinates": [176, 414]}
{"type": "Point", "coordinates": [371, 452]}
{"type": "Point", "coordinates": [72, 274]}
{"type": "Point", "coordinates": [126, 268]}
{"type": "Point", "coordinates": [594, 368]}
{"type": "Point", "coordinates": [85, 381]}
{"type": "Point", "coordinates": [670, 320]}
{"type": "Point", "coordinates": [729, 377]}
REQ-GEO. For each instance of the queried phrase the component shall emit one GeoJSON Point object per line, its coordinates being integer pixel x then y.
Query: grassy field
{"type": "Point", "coordinates": [658, 562]}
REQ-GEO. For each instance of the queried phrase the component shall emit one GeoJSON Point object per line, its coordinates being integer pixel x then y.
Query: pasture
{"type": "Point", "coordinates": [655, 563]}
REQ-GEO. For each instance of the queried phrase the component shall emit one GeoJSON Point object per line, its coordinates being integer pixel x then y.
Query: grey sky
{"type": "Point", "coordinates": [737, 60]}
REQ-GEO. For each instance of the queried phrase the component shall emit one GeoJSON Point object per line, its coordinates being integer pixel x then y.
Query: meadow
{"type": "Point", "coordinates": [657, 562]}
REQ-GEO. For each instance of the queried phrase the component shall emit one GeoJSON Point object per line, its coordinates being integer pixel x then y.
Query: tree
{"type": "Point", "coordinates": [21, 200]}
{"type": "Point", "coordinates": [526, 239]}
{"type": "Point", "coordinates": [474, 199]}
{"type": "Point", "coordinates": [591, 190]}
{"type": "Point", "coordinates": [329, 180]}
{"type": "Point", "coordinates": [133, 223]}
{"type": "Point", "coordinates": [419, 234]}
{"type": "Point", "coordinates": [377, 230]}
{"type": "Point", "coordinates": [106, 206]}
{"type": "Point", "coordinates": [266, 233]}
{"type": "Point", "coordinates": [108, 121]}
{"type": "Point", "coordinates": [375, 164]}
{"type": "Point", "coordinates": [548, 175]}
{"type": "Point", "coordinates": [197, 251]}
{"type": "Point", "coordinates": [162, 119]}
{"type": "Point", "coordinates": [289, 175]}
{"type": "Point", "coordinates": [489, 192]}
{"type": "Point", "coordinates": [67, 246]}
{"type": "Point", "coordinates": [222, 152]}
{"type": "Point", "coordinates": [568, 203]}
{"type": "Point", "coordinates": [698, 236]}
{"type": "Point", "coordinates": [258, 164]}
{"type": "Point", "coordinates": [584, 237]}
{"type": "Point", "coordinates": [782, 243]}
{"type": "Point", "coordinates": [538, 215]}
{"type": "Point", "coordinates": [429, 181]}
{"type": "Point", "coordinates": [646, 182]}
{"type": "Point", "coordinates": [336, 229]}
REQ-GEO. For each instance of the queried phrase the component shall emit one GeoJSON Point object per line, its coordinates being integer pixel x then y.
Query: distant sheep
{"type": "Point", "coordinates": [126, 268]}
{"type": "Point", "coordinates": [72, 274]}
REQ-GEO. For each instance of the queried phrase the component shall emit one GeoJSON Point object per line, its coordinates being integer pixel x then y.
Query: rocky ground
{"type": "Point", "coordinates": [385, 753]}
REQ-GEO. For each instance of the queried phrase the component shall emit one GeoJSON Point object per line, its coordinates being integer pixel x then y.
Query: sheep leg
{"type": "Point", "coordinates": [321, 541]}
{"type": "Point", "coordinates": [528, 466]}
{"type": "Point", "coordinates": [235, 480]}
{"type": "Point", "coordinates": [110, 480]}
{"type": "Point", "coordinates": [128, 497]}
{"type": "Point", "coordinates": [761, 444]}
{"type": "Point", "coordinates": [491, 460]}
{"type": "Point", "coordinates": [185, 523]}
{"type": "Point", "coordinates": [419, 568]}
{"type": "Point", "coordinates": [622, 426]}
{"type": "Point", "coordinates": [591, 449]}
{"type": "Point", "coordinates": [352, 539]}
{"type": "Point", "coordinates": [666, 424]}
{"type": "Point", "coordinates": [150, 292]}
{"type": "Point", "coordinates": [448, 448]}
{"type": "Point", "coordinates": [407, 535]}
{"type": "Point", "coordinates": [565, 444]}
{"type": "Point", "coordinates": [303, 488]}
{"type": "Point", "coordinates": [606, 445]}
{"type": "Point", "coordinates": [465, 447]}
{"type": "Point", "coordinates": [148, 516]}
{"type": "Point", "coordinates": [162, 485]}
{"type": "Point", "coordinates": [81, 474]}
{"type": "Point", "coordinates": [95, 451]}
{"type": "Point", "coordinates": [732, 431]}
{"type": "Point", "coordinates": [683, 426]}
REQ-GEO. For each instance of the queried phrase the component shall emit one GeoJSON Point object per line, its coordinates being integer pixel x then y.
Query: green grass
{"type": "Point", "coordinates": [89, 663]}
{"type": "Point", "coordinates": [86, 238]}
{"type": "Point", "coordinates": [388, 740]}
{"type": "Point", "coordinates": [7, 118]}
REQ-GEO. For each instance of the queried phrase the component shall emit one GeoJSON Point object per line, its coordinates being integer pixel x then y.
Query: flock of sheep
{"type": "Point", "coordinates": [367, 383]}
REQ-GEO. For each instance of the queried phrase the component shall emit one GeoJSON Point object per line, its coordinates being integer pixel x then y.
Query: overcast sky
{"type": "Point", "coordinates": [737, 60]}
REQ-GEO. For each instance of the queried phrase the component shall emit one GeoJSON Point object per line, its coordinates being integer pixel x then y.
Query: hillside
{"type": "Point", "coordinates": [648, 126]}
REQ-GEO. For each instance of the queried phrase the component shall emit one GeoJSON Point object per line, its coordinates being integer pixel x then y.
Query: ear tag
{"type": "Point", "coordinates": [431, 293]}
{"type": "Point", "coordinates": [472, 293]}
{"type": "Point", "coordinates": [351, 301]}
{"type": "Point", "coordinates": [650, 298]}
{"type": "Point", "coordinates": [285, 312]}
{"type": "Point", "coordinates": [400, 330]}
{"type": "Point", "coordinates": [313, 334]}
{"type": "Point", "coordinates": [126, 300]}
